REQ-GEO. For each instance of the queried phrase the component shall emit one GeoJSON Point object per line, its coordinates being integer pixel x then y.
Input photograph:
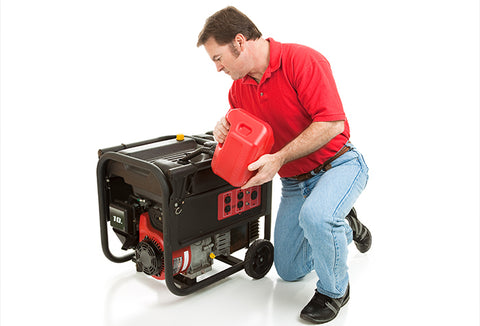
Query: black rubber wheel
{"type": "Point", "coordinates": [259, 258]}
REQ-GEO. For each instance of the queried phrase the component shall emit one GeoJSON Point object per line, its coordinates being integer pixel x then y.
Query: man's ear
{"type": "Point", "coordinates": [240, 41]}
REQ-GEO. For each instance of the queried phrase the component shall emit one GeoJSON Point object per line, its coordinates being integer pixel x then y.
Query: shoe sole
{"type": "Point", "coordinates": [365, 244]}
{"type": "Point", "coordinates": [362, 246]}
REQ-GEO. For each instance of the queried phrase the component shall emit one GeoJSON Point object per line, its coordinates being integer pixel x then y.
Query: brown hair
{"type": "Point", "coordinates": [225, 24]}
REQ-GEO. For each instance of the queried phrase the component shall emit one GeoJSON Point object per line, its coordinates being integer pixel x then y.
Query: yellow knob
{"type": "Point", "coordinates": [212, 255]}
{"type": "Point", "coordinates": [180, 137]}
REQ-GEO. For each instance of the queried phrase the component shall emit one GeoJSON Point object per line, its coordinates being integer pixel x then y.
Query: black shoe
{"type": "Point", "coordinates": [361, 235]}
{"type": "Point", "coordinates": [322, 309]}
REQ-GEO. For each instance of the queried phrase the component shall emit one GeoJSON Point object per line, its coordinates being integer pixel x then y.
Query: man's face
{"type": "Point", "coordinates": [227, 58]}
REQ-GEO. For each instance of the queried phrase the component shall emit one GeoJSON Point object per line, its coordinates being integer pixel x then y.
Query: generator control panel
{"type": "Point", "coordinates": [238, 200]}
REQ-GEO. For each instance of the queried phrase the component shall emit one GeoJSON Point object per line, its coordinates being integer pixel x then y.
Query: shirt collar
{"type": "Point", "coordinates": [273, 65]}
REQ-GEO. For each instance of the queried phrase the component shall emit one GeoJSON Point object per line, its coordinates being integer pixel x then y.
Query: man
{"type": "Point", "coordinates": [291, 87]}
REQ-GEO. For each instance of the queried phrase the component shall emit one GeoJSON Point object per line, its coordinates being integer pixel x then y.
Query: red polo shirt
{"type": "Point", "coordinates": [296, 89]}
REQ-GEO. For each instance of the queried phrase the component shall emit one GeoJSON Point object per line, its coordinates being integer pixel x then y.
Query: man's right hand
{"type": "Point", "coordinates": [221, 130]}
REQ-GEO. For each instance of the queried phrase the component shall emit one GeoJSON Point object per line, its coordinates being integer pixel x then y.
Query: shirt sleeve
{"type": "Point", "coordinates": [231, 99]}
{"type": "Point", "coordinates": [316, 88]}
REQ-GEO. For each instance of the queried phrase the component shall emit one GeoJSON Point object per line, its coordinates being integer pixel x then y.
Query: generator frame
{"type": "Point", "coordinates": [171, 203]}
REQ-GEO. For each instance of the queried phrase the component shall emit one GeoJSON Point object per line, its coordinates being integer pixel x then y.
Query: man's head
{"type": "Point", "coordinates": [228, 37]}
{"type": "Point", "coordinates": [225, 24]}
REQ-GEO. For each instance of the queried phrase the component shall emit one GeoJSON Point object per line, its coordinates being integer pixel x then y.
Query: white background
{"type": "Point", "coordinates": [77, 76]}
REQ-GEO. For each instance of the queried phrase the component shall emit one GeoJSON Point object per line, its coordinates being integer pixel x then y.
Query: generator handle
{"type": "Point", "coordinates": [102, 200]}
{"type": "Point", "coordinates": [140, 143]}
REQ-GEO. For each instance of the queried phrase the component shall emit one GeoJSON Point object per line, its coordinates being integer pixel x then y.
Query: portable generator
{"type": "Point", "coordinates": [176, 217]}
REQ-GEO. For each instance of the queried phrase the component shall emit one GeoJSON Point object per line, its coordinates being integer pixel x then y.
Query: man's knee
{"type": "Point", "coordinates": [288, 268]}
{"type": "Point", "coordinates": [287, 274]}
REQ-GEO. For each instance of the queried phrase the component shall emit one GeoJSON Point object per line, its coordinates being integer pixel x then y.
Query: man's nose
{"type": "Point", "coordinates": [219, 66]}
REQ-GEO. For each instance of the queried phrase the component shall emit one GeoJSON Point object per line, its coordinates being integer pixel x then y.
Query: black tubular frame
{"type": "Point", "coordinates": [112, 154]}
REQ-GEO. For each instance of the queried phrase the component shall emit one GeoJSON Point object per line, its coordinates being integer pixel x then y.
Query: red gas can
{"type": "Point", "coordinates": [248, 139]}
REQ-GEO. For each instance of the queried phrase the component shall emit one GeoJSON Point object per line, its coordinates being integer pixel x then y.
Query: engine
{"type": "Point", "coordinates": [191, 261]}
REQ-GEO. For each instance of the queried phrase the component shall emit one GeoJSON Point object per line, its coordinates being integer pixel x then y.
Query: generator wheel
{"type": "Point", "coordinates": [259, 258]}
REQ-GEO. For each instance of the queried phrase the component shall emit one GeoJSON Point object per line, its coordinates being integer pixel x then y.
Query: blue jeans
{"type": "Point", "coordinates": [311, 231]}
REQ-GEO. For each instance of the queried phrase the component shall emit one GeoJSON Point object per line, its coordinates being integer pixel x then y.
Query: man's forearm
{"type": "Point", "coordinates": [317, 135]}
